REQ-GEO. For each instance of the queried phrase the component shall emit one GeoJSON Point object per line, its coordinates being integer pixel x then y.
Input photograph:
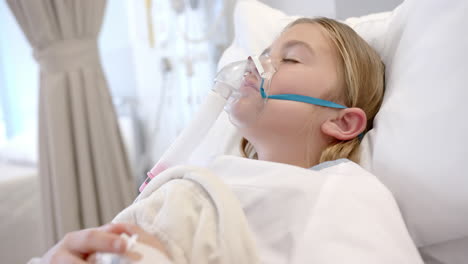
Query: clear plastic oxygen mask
{"type": "Point", "coordinates": [245, 85]}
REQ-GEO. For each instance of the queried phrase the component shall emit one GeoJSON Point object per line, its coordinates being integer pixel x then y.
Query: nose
{"type": "Point", "coordinates": [251, 77]}
{"type": "Point", "coordinates": [252, 67]}
{"type": "Point", "coordinates": [251, 70]}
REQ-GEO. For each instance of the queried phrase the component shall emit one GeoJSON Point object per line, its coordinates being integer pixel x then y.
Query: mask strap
{"type": "Point", "coordinates": [299, 98]}
{"type": "Point", "coordinates": [361, 136]}
{"type": "Point", "coordinates": [306, 99]}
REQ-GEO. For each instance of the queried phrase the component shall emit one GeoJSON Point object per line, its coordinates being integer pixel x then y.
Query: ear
{"type": "Point", "coordinates": [349, 123]}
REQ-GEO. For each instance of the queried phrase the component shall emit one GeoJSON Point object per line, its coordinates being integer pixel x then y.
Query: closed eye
{"type": "Point", "coordinates": [288, 60]}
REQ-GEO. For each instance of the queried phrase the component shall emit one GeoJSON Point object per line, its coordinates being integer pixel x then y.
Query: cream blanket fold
{"type": "Point", "coordinates": [195, 215]}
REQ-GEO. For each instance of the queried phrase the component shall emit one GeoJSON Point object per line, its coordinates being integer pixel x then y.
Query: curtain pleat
{"type": "Point", "coordinates": [84, 172]}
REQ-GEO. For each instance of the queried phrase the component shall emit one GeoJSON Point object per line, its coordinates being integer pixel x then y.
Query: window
{"type": "Point", "coordinates": [18, 78]}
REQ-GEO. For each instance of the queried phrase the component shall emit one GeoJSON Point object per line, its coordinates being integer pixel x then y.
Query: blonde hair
{"type": "Point", "coordinates": [363, 75]}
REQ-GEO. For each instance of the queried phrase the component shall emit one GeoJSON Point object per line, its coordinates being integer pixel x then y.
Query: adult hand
{"type": "Point", "coordinates": [76, 246]}
{"type": "Point", "coordinates": [145, 237]}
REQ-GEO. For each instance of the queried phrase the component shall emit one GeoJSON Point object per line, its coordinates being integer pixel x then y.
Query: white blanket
{"type": "Point", "coordinates": [195, 215]}
{"type": "Point", "coordinates": [282, 214]}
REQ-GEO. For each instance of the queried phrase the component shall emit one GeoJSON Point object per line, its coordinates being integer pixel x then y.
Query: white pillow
{"type": "Point", "coordinates": [253, 33]}
{"type": "Point", "coordinates": [417, 145]}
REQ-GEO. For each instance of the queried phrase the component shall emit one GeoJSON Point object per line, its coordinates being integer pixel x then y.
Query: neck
{"type": "Point", "coordinates": [298, 154]}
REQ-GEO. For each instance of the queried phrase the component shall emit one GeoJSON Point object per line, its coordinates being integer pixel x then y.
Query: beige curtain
{"type": "Point", "coordinates": [84, 173]}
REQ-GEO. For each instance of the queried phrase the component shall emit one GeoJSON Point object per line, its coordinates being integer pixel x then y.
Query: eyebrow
{"type": "Point", "coordinates": [290, 44]}
{"type": "Point", "coordinates": [293, 43]}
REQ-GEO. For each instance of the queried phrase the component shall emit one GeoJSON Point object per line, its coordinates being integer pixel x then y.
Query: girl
{"type": "Point", "coordinates": [314, 58]}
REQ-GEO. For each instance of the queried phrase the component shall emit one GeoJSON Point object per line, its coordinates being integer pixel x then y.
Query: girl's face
{"type": "Point", "coordinates": [306, 64]}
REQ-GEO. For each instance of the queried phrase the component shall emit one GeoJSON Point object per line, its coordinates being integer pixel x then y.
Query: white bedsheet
{"type": "Point", "coordinates": [20, 214]}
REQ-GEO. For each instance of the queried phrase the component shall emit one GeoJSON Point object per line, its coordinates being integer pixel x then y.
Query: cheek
{"type": "Point", "coordinates": [284, 118]}
{"type": "Point", "coordinates": [302, 82]}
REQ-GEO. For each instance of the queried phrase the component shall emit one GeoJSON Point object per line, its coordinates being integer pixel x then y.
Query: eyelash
{"type": "Point", "coordinates": [287, 60]}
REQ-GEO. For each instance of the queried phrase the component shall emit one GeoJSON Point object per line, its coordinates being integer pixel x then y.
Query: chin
{"type": "Point", "coordinates": [245, 112]}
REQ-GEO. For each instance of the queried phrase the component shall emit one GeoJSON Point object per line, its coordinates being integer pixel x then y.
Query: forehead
{"type": "Point", "coordinates": [312, 34]}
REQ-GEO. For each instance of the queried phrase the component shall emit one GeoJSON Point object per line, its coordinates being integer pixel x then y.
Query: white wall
{"type": "Point", "coordinates": [340, 9]}
{"type": "Point", "coordinates": [304, 7]}
{"type": "Point", "coordinates": [346, 8]}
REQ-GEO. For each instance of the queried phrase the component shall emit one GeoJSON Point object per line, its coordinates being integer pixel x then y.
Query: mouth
{"type": "Point", "coordinates": [251, 83]}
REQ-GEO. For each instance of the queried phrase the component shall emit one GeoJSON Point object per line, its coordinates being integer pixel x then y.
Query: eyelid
{"type": "Point", "coordinates": [296, 52]}
{"type": "Point", "coordinates": [290, 59]}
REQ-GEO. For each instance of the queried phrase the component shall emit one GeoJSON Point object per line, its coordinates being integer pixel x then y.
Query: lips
{"type": "Point", "coordinates": [250, 83]}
